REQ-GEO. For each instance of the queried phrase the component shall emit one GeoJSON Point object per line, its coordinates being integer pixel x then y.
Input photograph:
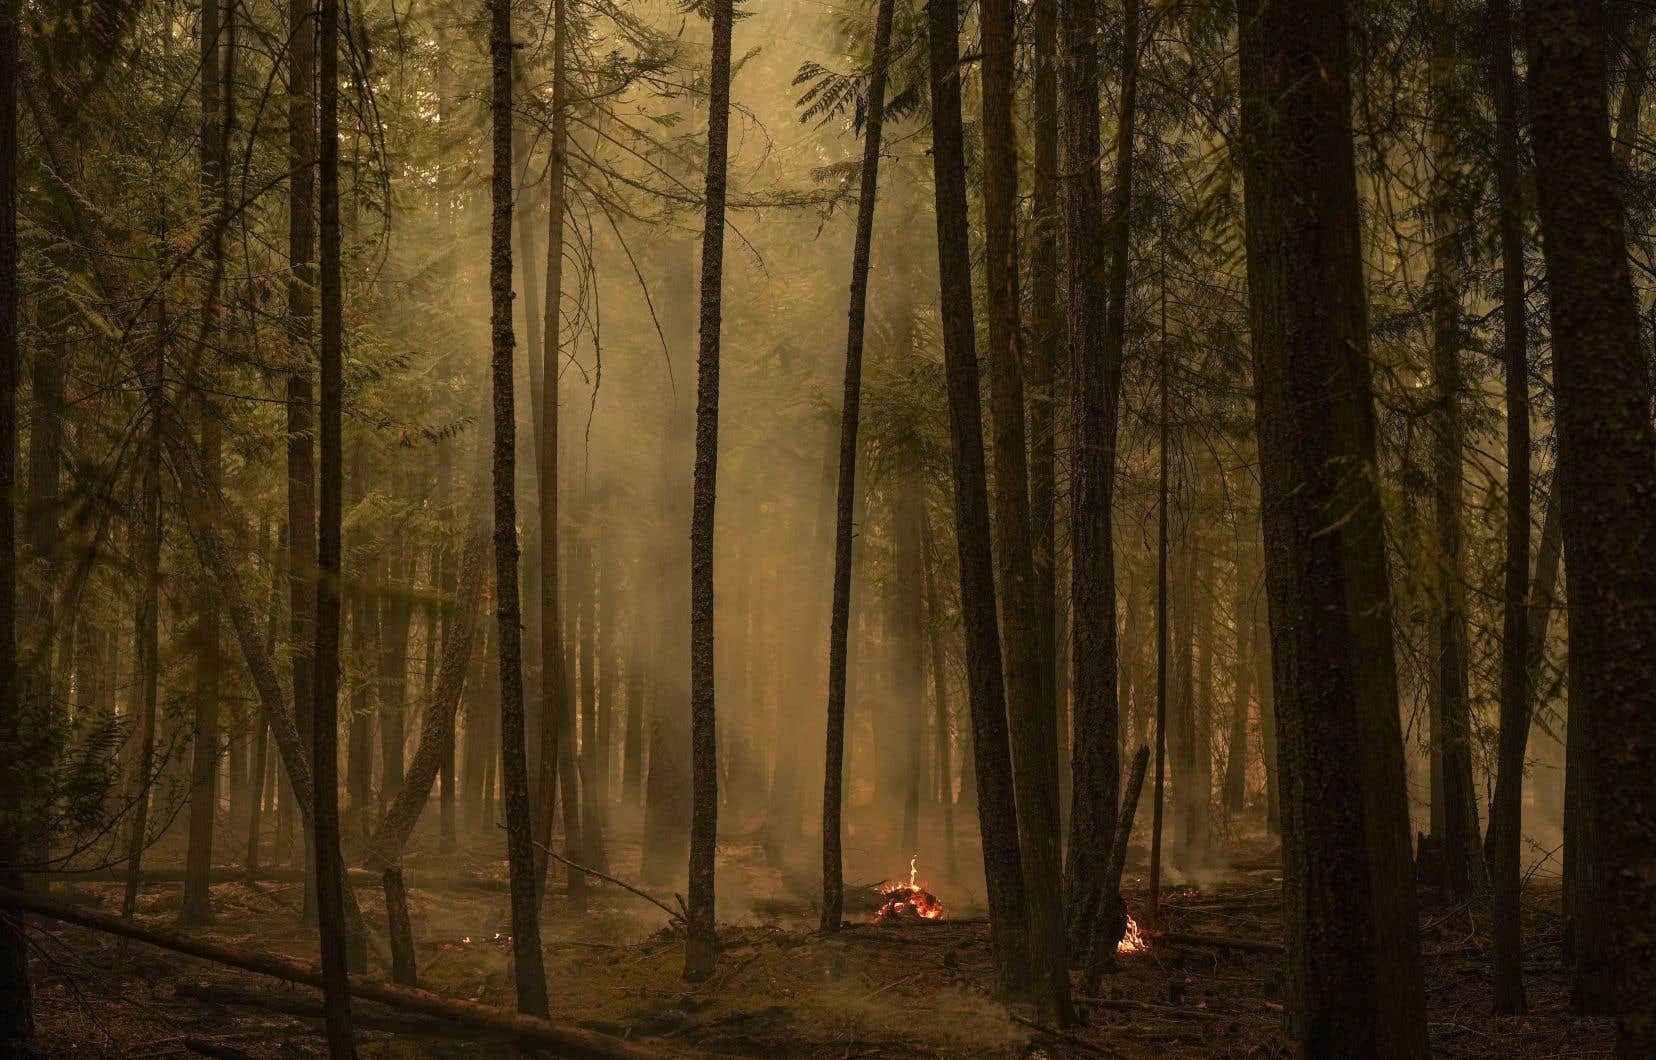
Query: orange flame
{"type": "Point", "coordinates": [909, 899]}
{"type": "Point", "coordinates": [1134, 941]}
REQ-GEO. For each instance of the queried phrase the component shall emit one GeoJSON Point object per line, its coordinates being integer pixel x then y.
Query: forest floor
{"type": "Point", "coordinates": [782, 989]}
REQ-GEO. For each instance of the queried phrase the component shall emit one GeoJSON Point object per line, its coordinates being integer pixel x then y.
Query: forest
{"type": "Point", "coordinates": [827, 528]}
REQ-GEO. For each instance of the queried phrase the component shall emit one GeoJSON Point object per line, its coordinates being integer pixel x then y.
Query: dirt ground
{"type": "Point", "coordinates": [781, 990]}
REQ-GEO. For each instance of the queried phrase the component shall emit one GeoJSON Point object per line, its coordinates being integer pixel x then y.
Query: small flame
{"type": "Point", "coordinates": [910, 899]}
{"type": "Point", "coordinates": [1135, 940]}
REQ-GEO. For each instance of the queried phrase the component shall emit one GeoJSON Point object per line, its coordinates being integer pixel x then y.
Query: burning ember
{"type": "Point", "coordinates": [1134, 941]}
{"type": "Point", "coordinates": [911, 900]}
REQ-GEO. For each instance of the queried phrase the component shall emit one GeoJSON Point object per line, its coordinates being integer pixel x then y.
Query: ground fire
{"type": "Point", "coordinates": [909, 901]}
{"type": "Point", "coordinates": [1134, 941]}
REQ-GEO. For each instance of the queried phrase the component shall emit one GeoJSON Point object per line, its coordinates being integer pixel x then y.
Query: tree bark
{"type": "Point", "coordinates": [1041, 364]}
{"type": "Point", "coordinates": [833, 880]}
{"type": "Point", "coordinates": [1353, 958]}
{"type": "Point", "coordinates": [16, 998]}
{"type": "Point", "coordinates": [986, 694]}
{"type": "Point", "coordinates": [1028, 696]}
{"type": "Point", "coordinates": [1097, 330]}
{"type": "Point", "coordinates": [1506, 808]}
{"type": "Point", "coordinates": [301, 461]}
{"type": "Point", "coordinates": [704, 762]}
{"type": "Point", "coordinates": [1463, 869]}
{"type": "Point", "coordinates": [556, 758]}
{"type": "Point", "coordinates": [437, 725]}
{"type": "Point", "coordinates": [1607, 457]}
{"type": "Point", "coordinates": [330, 871]}
{"type": "Point", "coordinates": [529, 972]}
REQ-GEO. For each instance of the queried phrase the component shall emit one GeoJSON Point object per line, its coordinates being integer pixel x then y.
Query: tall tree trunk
{"type": "Point", "coordinates": [529, 972]}
{"type": "Point", "coordinates": [1028, 696]}
{"type": "Point", "coordinates": [329, 867]}
{"type": "Point", "coordinates": [1236, 745]}
{"type": "Point", "coordinates": [1353, 955]}
{"type": "Point", "coordinates": [396, 616]}
{"type": "Point", "coordinates": [301, 460]}
{"type": "Point", "coordinates": [359, 750]}
{"type": "Point", "coordinates": [991, 776]}
{"type": "Point", "coordinates": [216, 21]}
{"type": "Point", "coordinates": [1097, 330]}
{"type": "Point", "coordinates": [1463, 868]}
{"type": "Point", "coordinates": [1607, 458]}
{"type": "Point", "coordinates": [557, 733]}
{"type": "Point", "coordinates": [833, 867]}
{"type": "Point", "coordinates": [1041, 364]}
{"type": "Point", "coordinates": [700, 943]}
{"type": "Point", "coordinates": [1506, 809]}
{"type": "Point", "coordinates": [146, 620]}
{"type": "Point", "coordinates": [16, 1000]}
{"type": "Point", "coordinates": [258, 760]}
{"type": "Point", "coordinates": [940, 694]}
{"type": "Point", "coordinates": [1162, 542]}
{"type": "Point", "coordinates": [448, 822]}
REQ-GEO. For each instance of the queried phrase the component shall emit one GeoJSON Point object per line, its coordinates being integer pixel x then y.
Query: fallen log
{"type": "Point", "coordinates": [421, 879]}
{"type": "Point", "coordinates": [573, 1040]}
{"type": "Point", "coordinates": [1171, 1011]}
{"type": "Point", "coordinates": [1218, 942]}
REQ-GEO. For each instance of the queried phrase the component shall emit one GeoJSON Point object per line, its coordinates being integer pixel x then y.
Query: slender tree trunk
{"type": "Point", "coordinates": [704, 761]}
{"type": "Point", "coordinates": [1041, 364]}
{"type": "Point", "coordinates": [146, 622]}
{"type": "Point", "coordinates": [359, 749]}
{"type": "Point", "coordinates": [833, 881]}
{"type": "Point", "coordinates": [1607, 458]}
{"type": "Point", "coordinates": [1353, 957]}
{"type": "Point", "coordinates": [529, 972]}
{"type": "Point", "coordinates": [557, 733]}
{"type": "Point", "coordinates": [301, 461]}
{"type": "Point", "coordinates": [16, 999]}
{"type": "Point", "coordinates": [1162, 543]}
{"type": "Point", "coordinates": [396, 616]}
{"type": "Point", "coordinates": [196, 906]}
{"type": "Point", "coordinates": [991, 777]}
{"type": "Point", "coordinates": [447, 824]}
{"type": "Point", "coordinates": [1463, 868]}
{"type": "Point", "coordinates": [1097, 329]}
{"type": "Point", "coordinates": [1236, 746]}
{"type": "Point", "coordinates": [329, 868]}
{"type": "Point", "coordinates": [1506, 809]}
{"type": "Point", "coordinates": [258, 760]}
{"type": "Point", "coordinates": [940, 696]}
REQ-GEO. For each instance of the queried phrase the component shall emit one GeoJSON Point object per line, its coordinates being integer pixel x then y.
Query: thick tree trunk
{"type": "Point", "coordinates": [1607, 459]}
{"type": "Point", "coordinates": [1097, 330]}
{"type": "Point", "coordinates": [529, 972]}
{"type": "Point", "coordinates": [16, 999]}
{"type": "Point", "coordinates": [1506, 809]}
{"type": "Point", "coordinates": [989, 783]}
{"type": "Point", "coordinates": [1353, 956]}
{"type": "Point", "coordinates": [1028, 695]}
{"type": "Point", "coordinates": [329, 867]}
{"type": "Point", "coordinates": [833, 868]}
